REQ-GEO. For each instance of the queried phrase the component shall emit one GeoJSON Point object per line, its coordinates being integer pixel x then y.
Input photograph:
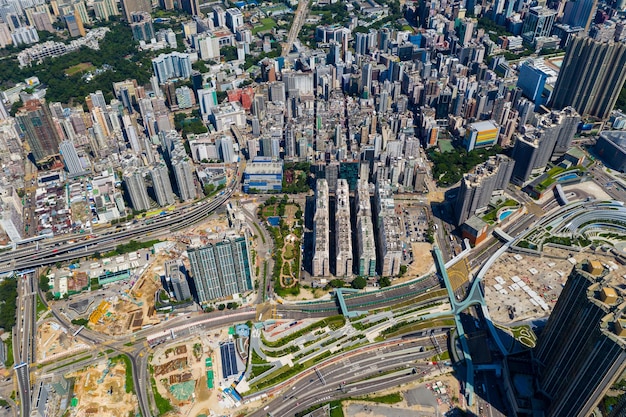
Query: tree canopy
{"type": "Point", "coordinates": [117, 50]}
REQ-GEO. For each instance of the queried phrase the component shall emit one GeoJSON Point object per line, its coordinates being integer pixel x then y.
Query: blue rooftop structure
{"type": "Point", "coordinates": [229, 359]}
{"type": "Point", "coordinates": [243, 330]}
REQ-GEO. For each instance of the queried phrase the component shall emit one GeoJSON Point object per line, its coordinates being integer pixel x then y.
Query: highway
{"type": "Point", "coordinates": [29, 257]}
{"type": "Point", "coordinates": [24, 334]}
{"type": "Point", "coordinates": [352, 374]}
{"type": "Point", "coordinates": [298, 21]}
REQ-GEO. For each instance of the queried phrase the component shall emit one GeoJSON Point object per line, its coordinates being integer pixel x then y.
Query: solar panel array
{"type": "Point", "coordinates": [229, 359]}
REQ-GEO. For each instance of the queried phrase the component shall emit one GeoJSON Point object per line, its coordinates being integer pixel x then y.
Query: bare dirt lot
{"type": "Point", "coordinates": [54, 341]}
{"type": "Point", "coordinates": [100, 391]}
{"type": "Point", "coordinates": [545, 276]}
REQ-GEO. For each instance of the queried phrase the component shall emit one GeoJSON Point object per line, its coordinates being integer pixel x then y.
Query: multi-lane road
{"type": "Point", "coordinates": [298, 21]}
{"type": "Point", "coordinates": [355, 373]}
{"type": "Point", "coordinates": [24, 334]}
{"type": "Point", "coordinates": [33, 256]}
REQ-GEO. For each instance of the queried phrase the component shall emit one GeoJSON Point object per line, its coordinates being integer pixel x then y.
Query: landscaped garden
{"type": "Point", "coordinates": [284, 221]}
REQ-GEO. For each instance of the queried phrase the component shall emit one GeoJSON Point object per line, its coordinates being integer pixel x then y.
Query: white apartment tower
{"type": "Point", "coordinates": [321, 261]}
{"type": "Point", "coordinates": [343, 232]}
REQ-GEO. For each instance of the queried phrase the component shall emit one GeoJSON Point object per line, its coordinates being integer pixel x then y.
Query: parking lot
{"type": "Point", "coordinates": [415, 222]}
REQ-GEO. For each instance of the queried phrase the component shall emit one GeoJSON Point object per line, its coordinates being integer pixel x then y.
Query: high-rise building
{"type": "Point", "coordinates": [184, 97]}
{"type": "Point", "coordinates": [533, 150]}
{"type": "Point", "coordinates": [175, 276]}
{"type": "Point", "coordinates": [104, 9]}
{"type": "Point", "coordinates": [70, 158]}
{"type": "Point", "coordinates": [234, 19]}
{"type": "Point", "coordinates": [361, 43]}
{"type": "Point", "coordinates": [549, 139]}
{"type": "Point", "coordinates": [130, 6]}
{"type": "Point", "coordinates": [388, 224]}
{"type": "Point", "coordinates": [161, 185]}
{"type": "Point", "coordinates": [538, 23]}
{"type": "Point", "coordinates": [172, 65]}
{"type": "Point", "coordinates": [190, 6]}
{"type": "Point", "coordinates": [183, 172]}
{"type": "Point", "coordinates": [582, 350]}
{"type": "Point", "coordinates": [41, 20]}
{"type": "Point", "coordinates": [481, 135]}
{"type": "Point", "coordinates": [24, 35]}
{"type": "Point", "coordinates": [36, 122]}
{"type": "Point", "coordinates": [532, 80]}
{"type": "Point", "coordinates": [579, 13]}
{"type": "Point", "coordinates": [74, 24]}
{"type": "Point", "coordinates": [366, 247]}
{"type": "Point", "coordinates": [226, 149]}
{"type": "Point", "coordinates": [208, 46]}
{"type": "Point", "coordinates": [588, 68]}
{"type": "Point", "coordinates": [343, 230]}
{"type": "Point", "coordinates": [321, 253]}
{"type": "Point", "coordinates": [221, 269]}
{"type": "Point", "coordinates": [141, 26]}
{"type": "Point", "coordinates": [5, 35]}
{"type": "Point", "coordinates": [568, 119]}
{"type": "Point", "coordinates": [477, 187]}
{"type": "Point", "coordinates": [136, 189]}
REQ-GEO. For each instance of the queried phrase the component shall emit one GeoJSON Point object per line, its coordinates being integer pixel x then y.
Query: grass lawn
{"type": "Point", "coordinates": [384, 399]}
{"type": "Point", "coordinates": [259, 369]}
{"type": "Point", "coordinates": [258, 229]}
{"type": "Point", "coordinates": [162, 404]}
{"type": "Point", "coordinates": [266, 24]}
{"type": "Point", "coordinates": [82, 67]}
{"type": "Point", "coordinates": [289, 251]}
{"type": "Point", "coordinates": [9, 346]}
{"type": "Point", "coordinates": [445, 355]}
{"type": "Point", "coordinates": [403, 328]}
{"type": "Point", "coordinates": [269, 211]}
{"type": "Point", "coordinates": [524, 335]}
{"type": "Point", "coordinates": [41, 308]}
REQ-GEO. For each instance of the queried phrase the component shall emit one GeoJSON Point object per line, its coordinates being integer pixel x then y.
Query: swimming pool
{"type": "Point", "coordinates": [567, 177]}
{"type": "Point", "coordinates": [505, 214]}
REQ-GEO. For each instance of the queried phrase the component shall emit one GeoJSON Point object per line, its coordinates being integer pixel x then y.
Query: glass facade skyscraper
{"type": "Point", "coordinates": [582, 350]}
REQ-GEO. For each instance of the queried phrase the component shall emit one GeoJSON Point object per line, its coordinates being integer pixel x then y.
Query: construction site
{"type": "Point", "coordinates": [184, 373]}
{"type": "Point", "coordinates": [101, 390]}
{"type": "Point", "coordinates": [55, 341]}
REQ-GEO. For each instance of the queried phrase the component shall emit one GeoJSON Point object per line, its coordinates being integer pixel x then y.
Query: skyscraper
{"type": "Point", "coordinates": [70, 158]}
{"type": "Point", "coordinates": [366, 248]}
{"type": "Point", "coordinates": [221, 269]}
{"type": "Point", "coordinates": [476, 188]}
{"type": "Point", "coordinates": [172, 65]}
{"type": "Point", "coordinates": [568, 119]}
{"type": "Point", "coordinates": [136, 189]}
{"type": "Point", "coordinates": [538, 22]}
{"type": "Point", "coordinates": [582, 349]}
{"type": "Point", "coordinates": [321, 253]}
{"type": "Point", "coordinates": [161, 185]}
{"type": "Point", "coordinates": [343, 230]}
{"type": "Point", "coordinates": [579, 13]}
{"type": "Point", "coordinates": [184, 179]}
{"type": "Point", "coordinates": [36, 122]}
{"type": "Point", "coordinates": [533, 150]}
{"type": "Point", "coordinates": [142, 27]}
{"type": "Point", "coordinates": [589, 68]}
{"type": "Point", "coordinates": [175, 276]}
{"type": "Point", "coordinates": [130, 6]}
